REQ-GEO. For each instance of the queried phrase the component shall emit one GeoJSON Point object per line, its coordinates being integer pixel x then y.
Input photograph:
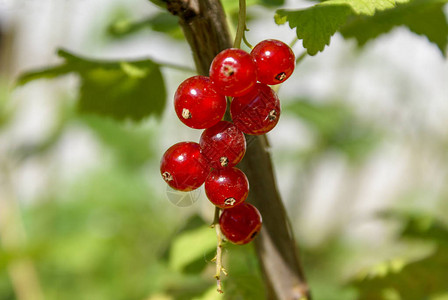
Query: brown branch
{"type": "Point", "coordinates": [205, 27]}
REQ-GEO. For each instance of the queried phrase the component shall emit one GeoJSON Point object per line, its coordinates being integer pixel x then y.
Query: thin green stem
{"type": "Point", "coordinates": [245, 40]}
{"type": "Point", "coordinates": [301, 57]}
{"type": "Point", "coordinates": [293, 42]}
{"type": "Point", "coordinates": [241, 24]}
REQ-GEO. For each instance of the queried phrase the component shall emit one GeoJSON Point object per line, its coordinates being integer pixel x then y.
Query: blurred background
{"type": "Point", "coordinates": [360, 156]}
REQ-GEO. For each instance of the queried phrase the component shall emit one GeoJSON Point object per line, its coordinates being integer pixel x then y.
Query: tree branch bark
{"type": "Point", "coordinates": [205, 27]}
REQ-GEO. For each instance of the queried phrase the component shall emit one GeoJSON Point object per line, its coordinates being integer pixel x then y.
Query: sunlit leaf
{"type": "Point", "coordinates": [192, 245]}
{"type": "Point", "coordinates": [316, 25]}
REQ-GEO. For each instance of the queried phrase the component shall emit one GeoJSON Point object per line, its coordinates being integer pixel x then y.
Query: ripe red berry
{"type": "Point", "coordinates": [227, 188]}
{"type": "Point", "coordinates": [223, 145]}
{"type": "Point", "coordinates": [241, 223]}
{"type": "Point", "coordinates": [197, 104]}
{"type": "Point", "coordinates": [233, 72]}
{"type": "Point", "coordinates": [275, 61]}
{"type": "Point", "coordinates": [256, 112]}
{"type": "Point", "coordinates": [184, 167]}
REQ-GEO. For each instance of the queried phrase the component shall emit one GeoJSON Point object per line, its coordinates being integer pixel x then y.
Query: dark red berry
{"type": "Point", "coordinates": [256, 112]}
{"type": "Point", "coordinates": [227, 188]}
{"type": "Point", "coordinates": [184, 167]}
{"type": "Point", "coordinates": [197, 104]}
{"type": "Point", "coordinates": [233, 72]}
{"type": "Point", "coordinates": [241, 223]}
{"type": "Point", "coordinates": [275, 61]}
{"type": "Point", "coordinates": [223, 145]}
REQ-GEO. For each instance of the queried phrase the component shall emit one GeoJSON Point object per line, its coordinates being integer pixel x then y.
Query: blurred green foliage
{"type": "Point", "coordinates": [336, 128]}
{"type": "Point", "coordinates": [425, 278]}
{"type": "Point", "coordinates": [121, 90]}
{"type": "Point", "coordinates": [110, 235]}
{"type": "Point", "coordinates": [424, 17]}
{"type": "Point", "coordinates": [6, 108]}
{"type": "Point", "coordinates": [163, 22]}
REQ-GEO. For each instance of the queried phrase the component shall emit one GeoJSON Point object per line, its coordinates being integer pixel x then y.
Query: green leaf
{"type": "Point", "coordinates": [424, 17]}
{"type": "Point", "coordinates": [191, 246]}
{"type": "Point", "coordinates": [271, 3]}
{"type": "Point", "coordinates": [159, 3]}
{"type": "Point", "coordinates": [422, 226]}
{"type": "Point", "coordinates": [401, 279]}
{"type": "Point", "coordinates": [245, 278]}
{"type": "Point", "coordinates": [118, 89]}
{"type": "Point", "coordinates": [365, 7]}
{"type": "Point", "coordinates": [317, 24]}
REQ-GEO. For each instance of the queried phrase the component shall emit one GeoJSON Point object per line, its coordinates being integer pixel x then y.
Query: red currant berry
{"type": "Point", "coordinates": [184, 167]}
{"type": "Point", "coordinates": [275, 61]}
{"type": "Point", "coordinates": [223, 145]}
{"type": "Point", "coordinates": [197, 104]}
{"type": "Point", "coordinates": [233, 72]}
{"type": "Point", "coordinates": [227, 188]}
{"type": "Point", "coordinates": [256, 112]}
{"type": "Point", "coordinates": [240, 224]}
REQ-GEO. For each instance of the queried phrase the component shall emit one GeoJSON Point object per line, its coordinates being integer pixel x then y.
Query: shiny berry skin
{"type": "Point", "coordinates": [241, 223]}
{"type": "Point", "coordinates": [226, 188]}
{"type": "Point", "coordinates": [197, 104]}
{"type": "Point", "coordinates": [223, 145]}
{"type": "Point", "coordinates": [184, 167]}
{"type": "Point", "coordinates": [233, 72]}
{"type": "Point", "coordinates": [275, 61]}
{"type": "Point", "coordinates": [256, 112]}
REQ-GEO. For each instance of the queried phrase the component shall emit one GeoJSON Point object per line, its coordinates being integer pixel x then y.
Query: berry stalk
{"type": "Point", "coordinates": [241, 24]}
{"type": "Point", "coordinates": [218, 258]}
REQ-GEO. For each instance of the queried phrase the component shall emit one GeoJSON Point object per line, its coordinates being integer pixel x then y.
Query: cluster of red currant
{"type": "Point", "coordinates": [200, 103]}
